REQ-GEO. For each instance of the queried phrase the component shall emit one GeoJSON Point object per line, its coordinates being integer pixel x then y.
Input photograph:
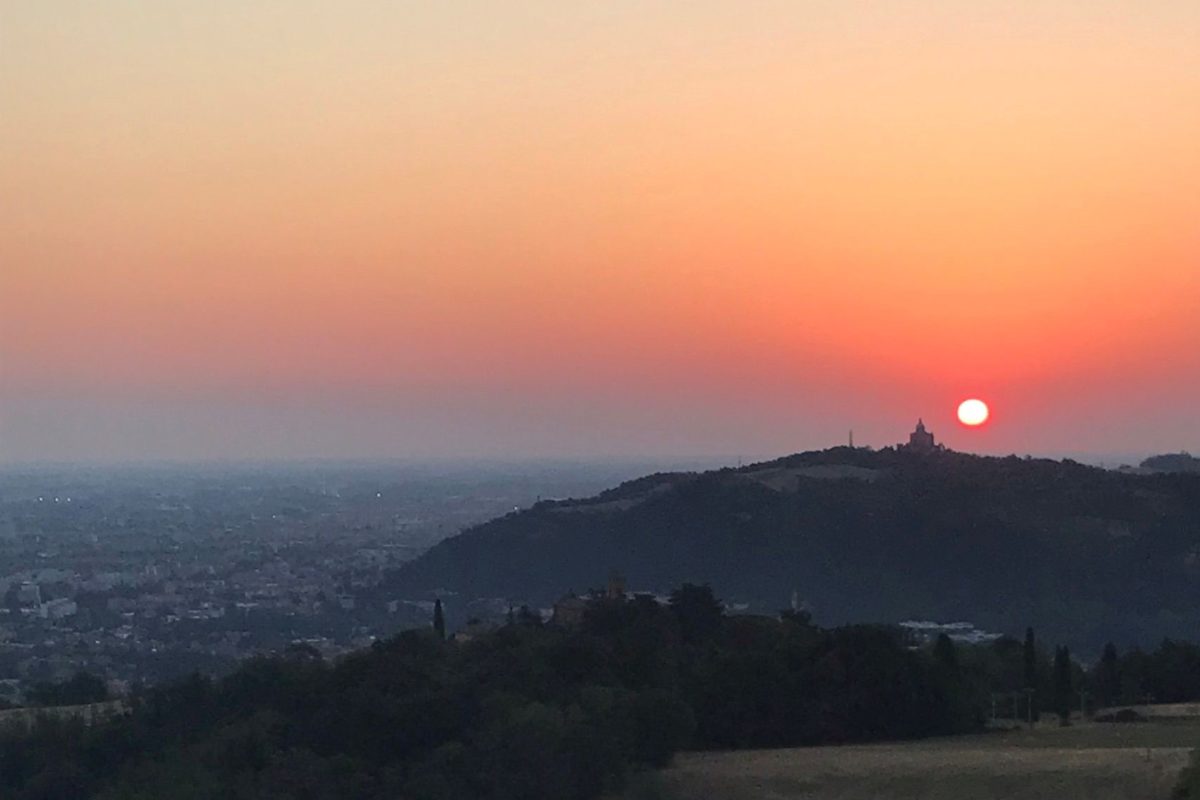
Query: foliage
{"type": "Point", "coordinates": [1188, 785]}
{"type": "Point", "coordinates": [439, 619]}
{"type": "Point", "coordinates": [1168, 674]}
{"type": "Point", "coordinates": [1032, 679]}
{"type": "Point", "coordinates": [542, 711]}
{"type": "Point", "coordinates": [1062, 684]}
{"type": "Point", "coordinates": [528, 711]}
{"type": "Point", "coordinates": [81, 688]}
{"type": "Point", "coordinates": [1107, 677]}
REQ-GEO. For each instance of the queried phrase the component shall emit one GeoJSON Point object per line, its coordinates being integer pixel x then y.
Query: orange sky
{"type": "Point", "coordinates": [539, 228]}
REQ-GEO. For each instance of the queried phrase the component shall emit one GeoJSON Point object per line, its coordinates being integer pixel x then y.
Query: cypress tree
{"type": "Point", "coordinates": [1031, 671]}
{"type": "Point", "coordinates": [1062, 685]}
{"type": "Point", "coordinates": [945, 655]}
{"type": "Point", "coordinates": [439, 619]}
{"type": "Point", "coordinates": [955, 711]}
{"type": "Point", "coordinates": [1109, 682]}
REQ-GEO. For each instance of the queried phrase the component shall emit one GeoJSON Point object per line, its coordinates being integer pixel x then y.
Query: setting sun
{"type": "Point", "coordinates": [972, 412]}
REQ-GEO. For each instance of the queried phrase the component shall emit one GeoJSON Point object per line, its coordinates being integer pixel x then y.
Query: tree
{"type": "Point", "coordinates": [1062, 685]}
{"type": "Point", "coordinates": [526, 711]}
{"type": "Point", "coordinates": [527, 616]}
{"type": "Point", "coordinates": [698, 611]}
{"type": "Point", "coordinates": [302, 652]}
{"type": "Point", "coordinates": [83, 687]}
{"type": "Point", "coordinates": [797, 616]}
{"type": "Point", "coordinates": [945, 655]}
{"type": "Point", "coordinates": [1031, 672]}
{"type": "Point", "coordinates": [439, 619]}
{"type": "Point", "coordinates": [662, 724]}
{"type": "Point", "coordinates": [12, 600]}
{"type": "Point", "coordinates": [1108, 676]}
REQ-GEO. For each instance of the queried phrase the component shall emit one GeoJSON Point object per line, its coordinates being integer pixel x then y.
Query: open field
{"type": "Point", "coordinates": [1161, 710]}
{"type": "Point", "coordinates": [1089, 760]}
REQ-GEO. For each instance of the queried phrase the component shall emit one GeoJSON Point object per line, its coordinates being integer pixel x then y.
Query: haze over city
{"type": "Point", "coordinates": [275, 230]}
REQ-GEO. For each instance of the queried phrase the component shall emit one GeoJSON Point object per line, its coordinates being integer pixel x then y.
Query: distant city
{"type": "Point", "coordinates": [140, 575]}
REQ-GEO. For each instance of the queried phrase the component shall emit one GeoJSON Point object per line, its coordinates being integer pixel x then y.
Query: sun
{"type": "Point", "coordinates": [972, 412]}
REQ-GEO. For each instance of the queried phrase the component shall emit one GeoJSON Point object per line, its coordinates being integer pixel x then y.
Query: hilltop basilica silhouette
{"type": "Point", "coordinates": [921, 440]}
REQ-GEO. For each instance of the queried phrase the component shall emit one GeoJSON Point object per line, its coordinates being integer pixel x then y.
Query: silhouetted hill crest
{"type": "Point", "coordinates": [865, 535]}
{"type": "Point", "coordinates": [1172, 462]}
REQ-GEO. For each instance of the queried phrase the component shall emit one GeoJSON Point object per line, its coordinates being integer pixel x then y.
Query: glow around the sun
{"type": "Point", "coordinates": [972, 412]}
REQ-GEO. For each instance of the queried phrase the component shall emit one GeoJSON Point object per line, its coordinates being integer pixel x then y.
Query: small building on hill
{"type": "Point", "coordinates": [474, 629]}
{"type": "Point", "coordinates": [615, 590]}
{"type": "Point", "coordinates": [921, 440]}
{"type": "Point", "coordinates": [569, 610]}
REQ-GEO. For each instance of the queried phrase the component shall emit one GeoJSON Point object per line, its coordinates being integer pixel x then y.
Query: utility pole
{"type": "Point", "coordinates": [1029, 705]}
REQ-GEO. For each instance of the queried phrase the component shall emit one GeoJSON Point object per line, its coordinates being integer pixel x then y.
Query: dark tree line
{"type": "Point", "coordinates": [81, 688]}
{"type": "Point", "coordinates": [1168, 674]}
{"type": "Point", "coordinates": [544, 711]}
{"type": "Point", "coordinates": [527, 711]}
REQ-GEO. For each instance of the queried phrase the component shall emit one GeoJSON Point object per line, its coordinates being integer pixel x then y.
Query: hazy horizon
{"type": "Point", "coordinates": [666, 461]}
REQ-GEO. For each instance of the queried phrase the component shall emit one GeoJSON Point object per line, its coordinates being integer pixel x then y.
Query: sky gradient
{"type": "Point", "coordinates": [586, 229]}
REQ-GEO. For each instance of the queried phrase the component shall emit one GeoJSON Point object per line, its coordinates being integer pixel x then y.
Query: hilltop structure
{"type": "Point", "coordinates": [921, 440]}
{"type": "Point", "coordinates": [569, 610]}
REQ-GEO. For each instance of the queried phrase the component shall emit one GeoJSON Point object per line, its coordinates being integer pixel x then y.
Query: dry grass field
{"type": "Point", "coordinates": [1088, 760]}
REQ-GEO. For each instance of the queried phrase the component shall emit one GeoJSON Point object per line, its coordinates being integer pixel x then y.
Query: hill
{"type": "Point", "coordinates": [1172, 462]}
{"type": "Point", "coordinates": [1083, 554]}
